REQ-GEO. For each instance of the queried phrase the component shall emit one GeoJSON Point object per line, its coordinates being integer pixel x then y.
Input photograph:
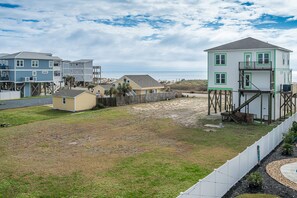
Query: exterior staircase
{"type": "Point", "coordinates": [233, 114]}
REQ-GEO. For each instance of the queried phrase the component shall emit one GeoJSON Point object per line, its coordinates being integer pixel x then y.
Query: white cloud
{"type": "Point", "coordinates": [179, 46]}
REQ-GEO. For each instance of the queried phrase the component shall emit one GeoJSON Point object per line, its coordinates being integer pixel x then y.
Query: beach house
{"type": "Point", "coordinates": [81, 70]}
{"type": "Point", "coordinates": [141, 84]}
{"type": "Point", "coordinates": [30, 73]}
{"type": "Point", "coordinates": [250, 79]}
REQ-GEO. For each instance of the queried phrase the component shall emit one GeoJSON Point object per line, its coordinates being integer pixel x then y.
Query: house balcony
{"type": "Point", "coordinates": [4, 68]}
{"type": "Point", "coordinates": [255, 65]}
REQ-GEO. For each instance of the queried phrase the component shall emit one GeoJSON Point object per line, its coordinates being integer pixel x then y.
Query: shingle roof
{"type": "Point", "coordinates": [106, 86]}
{"type": "Point", "coordinates": [144, 81]}
{"type": "Point", "coordinates": [70, 93]}
{"type": "Point", "coordinates": [82, 61]}
{"type": "Point", "coordinates": [247, 43]}
{"type": "Point", "coordinates": [31, 55]}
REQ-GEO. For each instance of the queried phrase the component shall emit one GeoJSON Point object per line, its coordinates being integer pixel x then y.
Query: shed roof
{"type": "Point", "coordinates": [247, 43]}
{"type": "Point", "coordinates": [31, 55]}
{"type": "Point", "coordinates": [144, 81]}
{"type": "Point", "coordinates": [70, 93]}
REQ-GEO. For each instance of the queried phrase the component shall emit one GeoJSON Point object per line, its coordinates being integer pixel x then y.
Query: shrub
{"type": "Point", "coordinates": [290, 137]}
{"type": "Point", "coordinates": [287, 149]}
{"type": "Point", "coordinates": [255, 180]}
{"type": "Point", "coordinates": [294, 127]}
{"type": "Point", "coordinates": [98, 106]}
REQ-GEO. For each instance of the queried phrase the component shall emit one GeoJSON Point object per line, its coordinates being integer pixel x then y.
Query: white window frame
{"type": "Point", "coordinates": [288, 59]}
{"type": "Point", "coordinates": [220, 59]}
{"type": "Point", "coordinates": [34, 63]}
{"type": "Point", "coordinates": [50, 64]}
{"type": "Point", "coordinates": [261, 61]}
{"type": "Point", "coordinates": [220, 75]}
{"type": "Point", "coordinates": [34, 73]}
{"type": "Point", "coordinates": [17, 63]}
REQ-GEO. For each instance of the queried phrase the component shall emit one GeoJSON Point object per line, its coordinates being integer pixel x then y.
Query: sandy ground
{"type": "Point", "coordinates": [184, 111]}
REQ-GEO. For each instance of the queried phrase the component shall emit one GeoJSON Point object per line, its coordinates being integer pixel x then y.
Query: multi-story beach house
{"type": "Point", "coordinates": [250, 79]}
{"type": "Point", "coordinates": [29, 72]}
{"type": "Point", "coordinates": [81, 70]}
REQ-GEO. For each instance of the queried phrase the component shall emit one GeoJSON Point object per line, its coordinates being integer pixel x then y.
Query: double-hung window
{"type": "Point", "coordinates": [64, 100]}
{"type": "Point", "coordinates": [34, 63]}
{"type": "Point", "coordinates": [220, 59]}
{"type": "Point", "coordinates": [20, 63]}
{"type": "Point", "coordinates": [263, 58]}
{"type": "Point", "coordinates": [50, 64]}
{"type": "Point", "coordinates": [220, 78]}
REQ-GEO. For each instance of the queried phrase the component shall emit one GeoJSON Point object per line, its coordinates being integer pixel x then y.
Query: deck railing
{"type": "Point", "coordinates": [255, 65]}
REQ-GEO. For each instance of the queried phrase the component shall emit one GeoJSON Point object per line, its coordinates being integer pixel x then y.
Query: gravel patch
{"type": "Point", "coordinates": [270, 185]}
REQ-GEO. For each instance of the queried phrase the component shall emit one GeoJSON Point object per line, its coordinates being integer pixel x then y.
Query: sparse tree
{"type": "Point", "coordinates": [124, 88]}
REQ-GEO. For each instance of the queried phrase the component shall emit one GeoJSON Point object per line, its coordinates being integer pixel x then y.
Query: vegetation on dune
{"type": "Point", "coordinates": [190, 85]}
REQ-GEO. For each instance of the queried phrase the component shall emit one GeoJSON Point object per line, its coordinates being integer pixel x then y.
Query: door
{"type": "Point", "coordinates": [248, 60]}
{"type": "Point", "coordinates": [248, 81]}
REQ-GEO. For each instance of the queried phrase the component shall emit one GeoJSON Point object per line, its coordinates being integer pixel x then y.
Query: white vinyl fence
{"type": "Point", "coordinates": [9, 95]}
{"type": "Point", "coordinates": [219, 182]}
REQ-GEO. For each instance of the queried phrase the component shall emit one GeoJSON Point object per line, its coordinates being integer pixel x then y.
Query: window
{"type": "Point", "coordinates": [220, 78]}
{"type": "Point", "coordinates": [284, 59]}
{"type": "Point", "coordinates": [34, 73]}
{"type": "Point", "coordinates": [288, 59]}
{"type": "Point", "coordinates": [50, 64]}
{"type": "Point", "coordinates": [34, 63]}
{"type": "Point", "coordinates": [45, 72]}
{"type": "Point", "coordinates": [220, 59]}
{"type": "Point", "coordinates": [57, 73]}
{"type": "Point", "coordinates": [263, 58]}
{"type": "Point", "coordinates": [248, 59]}
{"type": "Point", "coordinates": [64, 100]}
{"type": "Point", "coordinates": [56, 64]}
{"type": "Point", "coordinates": [20, 63]}
{"type": "Point", "coordinates": [247, 80]}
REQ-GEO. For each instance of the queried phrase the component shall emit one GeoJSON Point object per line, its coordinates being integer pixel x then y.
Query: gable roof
{"type": "Point", "coordinates": [144, 81]}
{"type": "Point", "coordinates": [247, 43]}
{"type": "Point", "coordinates": [31, 55]}
{"type": "Point", "coordinates": [108, 86]}
{"type": "Point", "coordinates": [69, 93]}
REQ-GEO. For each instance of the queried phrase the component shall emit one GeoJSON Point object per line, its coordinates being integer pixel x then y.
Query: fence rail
{"type": "Point", "coordinates": [121, 101]}
{"type": "Point", "coordinates": [221, 180]}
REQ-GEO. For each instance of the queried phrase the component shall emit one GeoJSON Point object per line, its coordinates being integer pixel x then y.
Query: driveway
{"type": "Point", "coordinates": [10, 104]}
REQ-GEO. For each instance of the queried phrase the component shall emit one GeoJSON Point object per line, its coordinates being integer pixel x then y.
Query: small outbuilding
{"type": "Point", "coordinates": [74, 100]}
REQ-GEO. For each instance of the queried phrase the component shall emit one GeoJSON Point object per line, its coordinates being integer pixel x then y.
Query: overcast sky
{"type": "Point", "coordinates": [143, 35]}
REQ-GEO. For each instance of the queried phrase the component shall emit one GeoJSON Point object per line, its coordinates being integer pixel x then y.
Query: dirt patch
{"type": "Point", "coordinates": [185, 111]}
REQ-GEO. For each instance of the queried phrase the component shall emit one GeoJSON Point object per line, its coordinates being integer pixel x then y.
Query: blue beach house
{"type": "Point", "coordinates": [31, 73]}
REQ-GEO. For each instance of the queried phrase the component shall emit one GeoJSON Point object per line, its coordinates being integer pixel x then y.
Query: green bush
{"type": "Point", "coordinates": [294, 127]}
{"type": "Point", "coordinates": [287, 149]}
{"type": "Point", "coordinates": [255, 180]}
{"type": "Point", "coordinates": [98, 106]}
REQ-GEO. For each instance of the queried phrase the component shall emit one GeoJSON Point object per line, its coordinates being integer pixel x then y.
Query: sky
{"type": "Point", "coordinates": [143, 35]}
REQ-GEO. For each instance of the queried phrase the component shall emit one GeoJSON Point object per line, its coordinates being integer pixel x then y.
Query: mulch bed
{"type": "Point", "coordinates": [270, 186]}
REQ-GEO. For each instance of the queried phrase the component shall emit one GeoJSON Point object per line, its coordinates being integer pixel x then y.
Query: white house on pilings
{"type": "Point", "coordinates": [250, 79]}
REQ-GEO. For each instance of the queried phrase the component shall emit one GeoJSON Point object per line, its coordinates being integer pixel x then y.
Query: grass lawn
{"type": "Point", "coordinates": [29, 114]}
{"type": "Point", "coordinates": [110, 153]}
{"type": "Point", "coordinates": [257, 196]}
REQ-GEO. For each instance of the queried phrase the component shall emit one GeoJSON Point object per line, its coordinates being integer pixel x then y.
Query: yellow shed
{"type": "Point", "coordinates": [73, 100]}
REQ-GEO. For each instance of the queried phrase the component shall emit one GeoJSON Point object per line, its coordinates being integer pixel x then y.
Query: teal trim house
{"type": "Point", "coordinates": [29, 72]}
{"type": "Point", "coordinates": [250, 77]}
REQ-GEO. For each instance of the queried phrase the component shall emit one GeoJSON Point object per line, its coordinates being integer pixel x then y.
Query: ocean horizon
{"type": "Point", "coordinates": [168, 75]}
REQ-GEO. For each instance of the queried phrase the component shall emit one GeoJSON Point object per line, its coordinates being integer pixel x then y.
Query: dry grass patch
{"type": "Point", "coordinates": [114, 153]}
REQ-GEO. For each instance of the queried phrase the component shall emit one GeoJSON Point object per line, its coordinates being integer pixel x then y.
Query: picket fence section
{"type": "Point", "coordinates": [221, 180]}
